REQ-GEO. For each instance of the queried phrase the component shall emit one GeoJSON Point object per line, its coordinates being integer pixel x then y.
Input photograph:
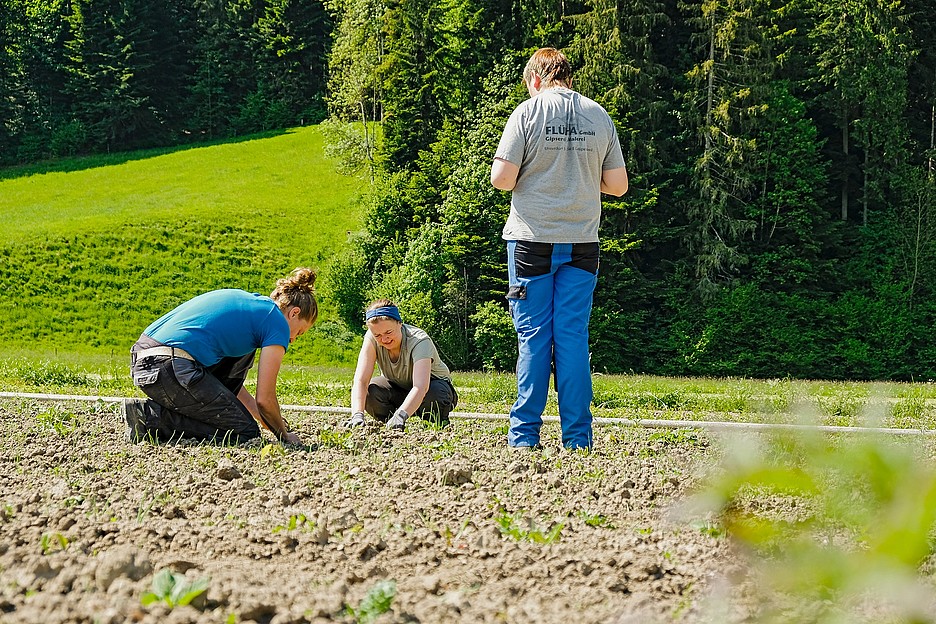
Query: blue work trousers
{"type": "Point", "coordinates": [550, 296]}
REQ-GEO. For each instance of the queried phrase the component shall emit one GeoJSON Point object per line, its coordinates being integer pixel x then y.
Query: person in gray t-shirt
{"type": "Point", "coordinates": [558, 153]}
{"type": "Point", "coordinates": [413, 378]}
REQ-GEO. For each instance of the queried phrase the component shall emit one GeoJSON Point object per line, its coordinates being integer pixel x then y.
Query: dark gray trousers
{"type": "Point", "coordinates": [188, 400]}
{"type": "Point", "coordinates": [384, 397]}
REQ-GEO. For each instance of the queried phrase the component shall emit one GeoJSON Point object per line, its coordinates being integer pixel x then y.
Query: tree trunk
{"type": "Point", "coordinates": [845, 167]}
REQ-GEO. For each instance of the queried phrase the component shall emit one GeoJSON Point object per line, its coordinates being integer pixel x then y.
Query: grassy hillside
{"type": "Point", "coordinates": [93, 250]}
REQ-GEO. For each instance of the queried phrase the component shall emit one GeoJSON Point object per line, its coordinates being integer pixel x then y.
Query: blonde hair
{"type": "Point", "coordinates": [551, 66]}
{"type": "Point", "coordinates": [296, 291]}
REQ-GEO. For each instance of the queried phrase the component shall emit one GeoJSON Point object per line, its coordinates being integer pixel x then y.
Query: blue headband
{"type": "Point", "coordinates": [388, 311]}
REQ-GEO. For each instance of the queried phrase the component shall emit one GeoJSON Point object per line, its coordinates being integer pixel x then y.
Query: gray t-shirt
{"type": "Point", "coordinates": [416, 345]}
{"type": "Point", "coordinates": [562, 141]}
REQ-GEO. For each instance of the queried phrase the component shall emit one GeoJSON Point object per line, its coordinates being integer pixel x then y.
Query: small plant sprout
{"type": "Point", "coordinates": [595, 519]}
{"type": "Point", "coordinates": [60, 421]}
{"type": "Point", "coordinates": [175, 590]}
{"type": "Point", "coordinates": [511, 526]}
{"type": "Point", "coordinates": [377, 601]}
{"type": "Point", "coordinates": [296, 521]}
{"type": "Point", "coordinates": [271, 451]}
{"type": "Point", "coordinates": [336, 438]}
{"type": "Point", "coordinates": [712, 529]}
{"type": "Point", "coordinates": [51, 541]}
{"type": "Point", "coordinates": [147, 502]}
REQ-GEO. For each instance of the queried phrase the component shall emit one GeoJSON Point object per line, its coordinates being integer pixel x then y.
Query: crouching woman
{"type": "Point", "coordinates": [193, 361]}
{"type": "Point", "coordinates": [413, 380]}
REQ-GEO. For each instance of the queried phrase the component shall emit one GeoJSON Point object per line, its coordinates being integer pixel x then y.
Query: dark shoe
{"type": "Point", "coordinates": [133, 414]}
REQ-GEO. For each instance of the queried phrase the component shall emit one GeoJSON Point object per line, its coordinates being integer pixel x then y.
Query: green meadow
{"type": "Point", "coordinates": [94, 249]}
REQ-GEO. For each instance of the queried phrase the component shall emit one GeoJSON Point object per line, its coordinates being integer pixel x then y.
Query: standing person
{"type": "Point", "coordinates": [413, 380]}
{"type": "Point", "coordinates": [558, 153]}
{"type": "Point", "coordinates": [192, 363]}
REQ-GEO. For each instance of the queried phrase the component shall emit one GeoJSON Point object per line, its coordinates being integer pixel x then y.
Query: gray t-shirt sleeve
{"type": "Point", "coordinates": [614, 159]}
{"type": "Point", "coordinates": [512, 142]}
{"type": "Point", "coordinates": [422, 350]}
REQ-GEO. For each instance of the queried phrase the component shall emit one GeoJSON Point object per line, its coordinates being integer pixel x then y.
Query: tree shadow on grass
{"type": "Point", "coordinates": [92, 161]}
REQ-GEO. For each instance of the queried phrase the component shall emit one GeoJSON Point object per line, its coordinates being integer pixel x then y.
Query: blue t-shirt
{"type": "Point", "coordinates": [222, 323]}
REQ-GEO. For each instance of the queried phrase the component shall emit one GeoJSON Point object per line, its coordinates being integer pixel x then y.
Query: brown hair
{"type": "Point", "coordinates": [551, 66]}
{"type": "Point", "coordinates": [296, 291]}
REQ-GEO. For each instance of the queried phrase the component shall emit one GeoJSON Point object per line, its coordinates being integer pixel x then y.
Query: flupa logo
{"type": "Point", "coordinates": [568, 129]}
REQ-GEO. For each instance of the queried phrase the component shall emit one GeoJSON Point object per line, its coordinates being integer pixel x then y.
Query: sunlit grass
{"type": "Point", "coordinates": [96, 249]}
{"type": "Point", "coordinates": [629, 397]}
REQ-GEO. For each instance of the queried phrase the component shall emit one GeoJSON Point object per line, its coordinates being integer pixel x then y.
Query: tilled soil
{"type": "Point", "coordinates": [468, 530]}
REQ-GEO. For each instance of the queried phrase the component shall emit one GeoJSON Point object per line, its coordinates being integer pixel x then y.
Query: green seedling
{"type": "Point", "coordinates": [147, 502]}
{"type": "Point", "coordinates": [377, 601]}
{"type": "Point", "coordinates": [60, 421]}
{"type": "Point", "coordinates": [175, 590]}
{"type": "Point", "coordinates": [298, 521]}
{"type": "Point", "coordinates": [511, 526]}
{"type": "Point", "coordinates": [272, 451]}
{"type": "Point", "coordinates": [50, 541]}
{"type": "Point", "coordinates": [336, 438]}
{"type": "Point", "coordinates": [595, 520]}
{"type": "Point", "coordinates": [710, 529]}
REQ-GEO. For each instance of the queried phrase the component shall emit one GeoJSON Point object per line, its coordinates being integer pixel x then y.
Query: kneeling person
{"type": "Point", "coordinates": [193, 361]}
{"type": "Point", "coordinates": [413, 379]}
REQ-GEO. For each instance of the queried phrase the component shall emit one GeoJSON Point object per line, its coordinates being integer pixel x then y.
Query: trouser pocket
{"type": "Point", "coordinates": [145, 378]}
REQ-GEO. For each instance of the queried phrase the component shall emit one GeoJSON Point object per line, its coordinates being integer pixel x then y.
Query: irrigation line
{"type": "Point", "coordinates": [713, 425]}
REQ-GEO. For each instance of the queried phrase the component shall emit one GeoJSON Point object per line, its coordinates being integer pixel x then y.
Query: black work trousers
{"type": "Point", "coordinates": [384, 397]}
{"type": "Point", "coordinates": [188, 400]}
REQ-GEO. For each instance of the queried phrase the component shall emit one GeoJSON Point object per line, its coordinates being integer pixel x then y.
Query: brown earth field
{"type": "Point", "coordinates": [453, 525]}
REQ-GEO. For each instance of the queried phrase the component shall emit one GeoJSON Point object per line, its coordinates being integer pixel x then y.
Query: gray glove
{"type": "Point", "coordinates": [398, 420]}
{"type": "Point", "coordinates": [357, 420]}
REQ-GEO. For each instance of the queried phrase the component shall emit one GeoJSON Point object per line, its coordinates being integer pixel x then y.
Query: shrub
{"type": "Point", "coordinates": [495, 337]}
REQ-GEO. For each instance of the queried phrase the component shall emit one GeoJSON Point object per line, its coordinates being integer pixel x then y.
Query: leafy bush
{"type": "Point", "coordinates": [495, 337]}
{"type": "Point", "coordinates": [68, 139]}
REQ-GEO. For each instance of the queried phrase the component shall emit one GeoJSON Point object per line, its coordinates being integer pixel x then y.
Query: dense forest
{"type": "Point", "coordinates": [782, 213]}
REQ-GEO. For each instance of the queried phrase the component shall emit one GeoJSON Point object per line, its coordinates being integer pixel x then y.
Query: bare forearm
{"type": "Point", "coordinates": [414, 399]}
{"type": "Point", "coordinates": [359, 395]}
{"type": "Point", "coordinates": [249, 402]}
{"type": "Point", "coordinates": [271, 417]}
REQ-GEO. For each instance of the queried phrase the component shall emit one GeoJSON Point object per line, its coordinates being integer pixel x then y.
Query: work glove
{"type": "Point", "coordinates": [357, 420]}
{"type": "Point", "coordinates": [398, 420]}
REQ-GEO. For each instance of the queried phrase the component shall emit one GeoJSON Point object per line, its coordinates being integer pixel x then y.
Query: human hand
{"type": "Point", "coordinates": [398, 420]}
{"type": "Point", "coordinates": [291, 438]}
{"type": "Point", "coordinates": [356, 420]}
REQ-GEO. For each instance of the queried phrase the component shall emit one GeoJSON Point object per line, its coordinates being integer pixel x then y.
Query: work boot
{"type": "Point", "coordinates": [134, 414]}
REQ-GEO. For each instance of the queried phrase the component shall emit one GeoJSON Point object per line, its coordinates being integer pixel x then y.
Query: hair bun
{"type": "Point", "coordinates": [301, 277]}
